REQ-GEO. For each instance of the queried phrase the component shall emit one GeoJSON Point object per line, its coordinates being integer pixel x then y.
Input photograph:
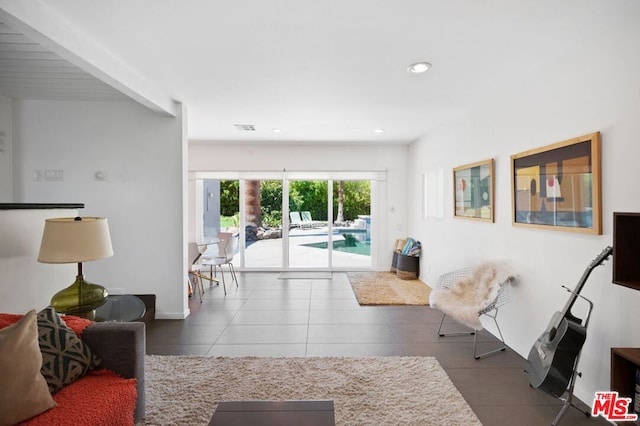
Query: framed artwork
{"type": "Point", "coordinates": [473, 191]}
{"type": "Point", "coordinates": [558, 186]}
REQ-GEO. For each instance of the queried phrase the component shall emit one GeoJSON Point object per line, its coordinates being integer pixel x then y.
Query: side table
{"type": "Point", "coordinates": [121, 308]}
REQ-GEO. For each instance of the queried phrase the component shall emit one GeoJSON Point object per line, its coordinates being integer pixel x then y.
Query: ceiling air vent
{"type": "Point", "coordinates": [246, 127]}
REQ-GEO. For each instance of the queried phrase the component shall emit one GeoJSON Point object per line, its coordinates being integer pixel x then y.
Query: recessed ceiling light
{"type": "Point", "coordinates": [419, 67]}
{"type": "Point", "coordinates": [378, 130]}
{"type": "Point", "coordinates": [276, 130]}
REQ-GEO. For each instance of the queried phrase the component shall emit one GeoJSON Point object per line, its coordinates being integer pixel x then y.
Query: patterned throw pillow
{"type": "Point", "coordinates": [65, 358]}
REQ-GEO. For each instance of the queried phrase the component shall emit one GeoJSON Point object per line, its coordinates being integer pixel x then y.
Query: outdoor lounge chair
{"type": "Point", "coordinates": [296, 220]}
{"type": "Point", "coordinates": [307, 220]}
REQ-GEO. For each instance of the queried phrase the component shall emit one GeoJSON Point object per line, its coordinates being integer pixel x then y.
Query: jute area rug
{"type": "Point", "coordinates": [385, 288]}
{"type": "Point", "coordinates": [185, 390]}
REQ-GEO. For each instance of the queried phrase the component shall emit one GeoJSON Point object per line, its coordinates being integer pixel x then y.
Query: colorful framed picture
{"type": "Point", "coordinates": [558, 186]}
{"type": "Point", "coordinates": [473, 191]}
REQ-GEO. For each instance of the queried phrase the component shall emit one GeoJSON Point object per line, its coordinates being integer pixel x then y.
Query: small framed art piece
{"type": "Point", "coordinates": [558, 186]}
{"type": "Point", "coordinates": [473, 191]}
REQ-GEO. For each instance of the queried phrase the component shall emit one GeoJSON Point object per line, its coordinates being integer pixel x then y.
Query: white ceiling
{"type": "Point", "coordinates": [30, 71]}
{"type": "Point", "coordinates": [322, 71]}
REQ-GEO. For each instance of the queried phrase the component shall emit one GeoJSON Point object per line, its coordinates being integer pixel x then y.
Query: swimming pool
{"type": "Point", "coordinates": [360, 247]}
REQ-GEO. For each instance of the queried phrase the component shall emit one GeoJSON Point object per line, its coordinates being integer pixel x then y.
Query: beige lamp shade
{"type": "Point", "coordinates": [75, 240]}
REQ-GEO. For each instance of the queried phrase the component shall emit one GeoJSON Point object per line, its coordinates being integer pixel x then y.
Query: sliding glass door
{"type": "Point", "coordinates": [309, 224]}
{"type": "Point", "coordinates": [263, 223]}
{"type": "Point", "coordinates": [352, 223]}
{"type": "Point", "coordinates": [302, 221]}
{"type": "Point", "coordinates": [221, 208]}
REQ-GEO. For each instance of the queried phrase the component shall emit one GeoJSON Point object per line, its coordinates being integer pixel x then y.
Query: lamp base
{"type": "Point", "coordinates": [80, 299]}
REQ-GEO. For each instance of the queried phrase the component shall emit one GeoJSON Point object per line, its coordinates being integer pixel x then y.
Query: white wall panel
{"type": "Point", "coordinates": [142, 194]}
{"type": "Point", "coordinates": [592, 87]}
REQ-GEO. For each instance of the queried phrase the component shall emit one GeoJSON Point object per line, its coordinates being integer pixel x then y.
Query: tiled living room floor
{"type": "Point", "coordinates": [268, 316]}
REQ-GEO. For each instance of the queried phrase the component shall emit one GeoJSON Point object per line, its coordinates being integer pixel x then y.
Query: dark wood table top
{"type": "Point", "coordinates": [272, 413]}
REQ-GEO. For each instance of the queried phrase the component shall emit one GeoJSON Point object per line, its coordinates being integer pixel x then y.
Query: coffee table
{"type": "Point", "coordinates": [274, 413]}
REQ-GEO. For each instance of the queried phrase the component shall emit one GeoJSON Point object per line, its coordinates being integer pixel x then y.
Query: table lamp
{"type": "Point", "coordinates": [76, 240]}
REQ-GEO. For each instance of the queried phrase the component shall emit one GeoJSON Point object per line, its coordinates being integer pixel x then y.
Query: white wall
{"type": "Point", "coordinates": [269, 157]}
{"type": "Point", "coordinates": [6, 150]}
{"type": "Point", "coordinates": [592, 86]}
{"type": "Point", "coordinates": [142, 197]}
{"type": "Point", "coordinates": [26, 284]}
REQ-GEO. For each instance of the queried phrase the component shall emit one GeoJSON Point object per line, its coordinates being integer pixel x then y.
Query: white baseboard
{"type": "Point", "coordinates": [173, 315]}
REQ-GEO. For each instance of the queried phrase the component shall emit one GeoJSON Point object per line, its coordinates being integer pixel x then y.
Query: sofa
{"type": "Point", "coordinates": [112, 392]}
{"type": "Point", "coordinates": [122, 347]}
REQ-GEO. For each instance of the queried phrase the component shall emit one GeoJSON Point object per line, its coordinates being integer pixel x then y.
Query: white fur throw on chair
{"type": "Point", "coordinates": [469, 295]}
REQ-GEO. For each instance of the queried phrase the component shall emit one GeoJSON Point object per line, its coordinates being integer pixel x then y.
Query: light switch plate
{"type": "Point", "coordinates": [53, 175]}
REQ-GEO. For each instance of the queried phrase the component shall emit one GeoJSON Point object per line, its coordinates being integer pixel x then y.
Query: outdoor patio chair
{"type": "Point", "coordinates": [444, 298]}
{"type": "Point", "coordinates": [307, 220]}
{"type": "Point", "coordinates": [295, 220]}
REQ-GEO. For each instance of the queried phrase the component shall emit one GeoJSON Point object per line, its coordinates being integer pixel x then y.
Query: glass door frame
{"type": "Point", "coordinates": [286, 176]}
{"type": "Point", "coordinates": [286, 252]}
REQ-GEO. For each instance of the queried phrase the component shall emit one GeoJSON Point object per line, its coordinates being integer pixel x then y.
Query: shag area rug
{"type": "Point", "coordinates": [385, 288]}
{"type": "Point", "coordinates": [185, 390]}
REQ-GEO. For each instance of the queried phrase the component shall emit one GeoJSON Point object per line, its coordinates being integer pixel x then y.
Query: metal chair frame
{"type": "Point", "coordinates": [445, 281]}
{"type": "Point", "coordinates": [226, 249]}
{"type": "Point", "coordinates": [194, 273]}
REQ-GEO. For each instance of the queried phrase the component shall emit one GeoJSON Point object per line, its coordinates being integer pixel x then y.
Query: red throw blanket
{"type": "Point", "coordinates": [77, 324]}
{"type": "Point", "coordinates": [101, 398]}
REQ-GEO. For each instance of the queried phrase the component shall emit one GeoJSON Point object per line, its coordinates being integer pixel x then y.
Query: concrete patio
{"type": "Point", "coordinates": [268, 253]}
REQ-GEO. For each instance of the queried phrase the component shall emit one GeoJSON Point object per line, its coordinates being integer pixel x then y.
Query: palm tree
{"type": "Point", "coordinates": [252, 208]}
{"type": "Point", "coordinates": [340, 215]}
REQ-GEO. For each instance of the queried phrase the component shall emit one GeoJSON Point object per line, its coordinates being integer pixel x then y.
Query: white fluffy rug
{"type": "Point", "coordinates": [465, 297]}
{"type": "Point", "coordinates": [184, 390]}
